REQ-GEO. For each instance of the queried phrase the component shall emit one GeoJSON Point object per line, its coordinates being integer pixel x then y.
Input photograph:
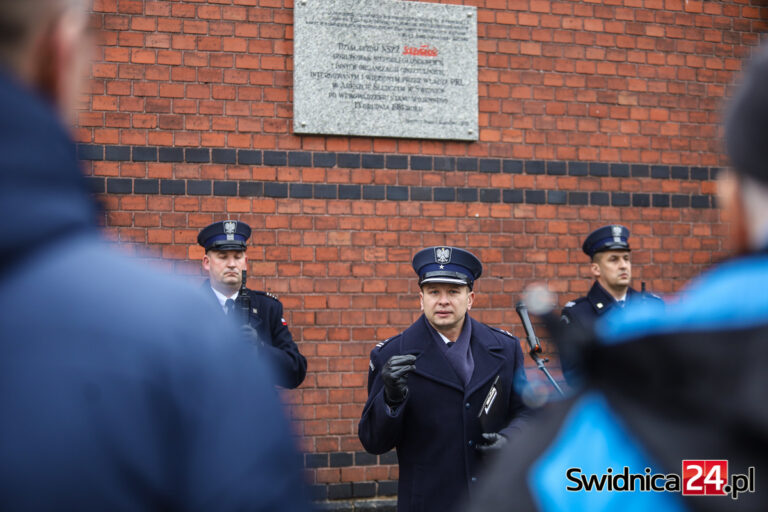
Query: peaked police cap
{"type": "Point", "coordinates": [225, 235]}
{"type": "Point", "coordinates": [607, 238]}
{"type": "Point", "coordinates": [443, 264]}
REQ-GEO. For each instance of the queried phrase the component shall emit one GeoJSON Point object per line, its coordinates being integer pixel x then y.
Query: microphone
{"type": "Point", "coordinates": [541, 302]}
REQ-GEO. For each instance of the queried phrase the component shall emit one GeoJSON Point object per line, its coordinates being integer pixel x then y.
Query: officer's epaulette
{"type": "Point", "coordinates": [381, 344]}
{"type": "Point", "coordinates": [267, 294]}
{"type": "Point", "coordinates": [502, 331]}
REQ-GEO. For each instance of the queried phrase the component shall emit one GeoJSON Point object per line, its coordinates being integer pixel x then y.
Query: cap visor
{"type": "Point", "coordinates": [616, 247]}
{"type": "Point", "coordinates": [227, 247]}
{"type": "Point", "coordinates": [449, 280]}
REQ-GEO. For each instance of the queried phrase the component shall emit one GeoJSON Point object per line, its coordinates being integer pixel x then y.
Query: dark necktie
{"type": "Point", "coordinates": [450, 344]}
{"type": "Point", "coordinates": [229, 306]}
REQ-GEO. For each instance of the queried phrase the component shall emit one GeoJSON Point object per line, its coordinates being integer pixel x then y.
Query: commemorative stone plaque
{"type": "Point", "coordinates": [388, 68]}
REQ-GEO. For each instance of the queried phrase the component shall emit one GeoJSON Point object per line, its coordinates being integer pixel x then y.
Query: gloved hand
{"type": "Point", "coordinates": [494, 442]}
{"type": "Point", "coordinates": [250, 334]}
{"type": "Point", "coordinates": [395, 375]}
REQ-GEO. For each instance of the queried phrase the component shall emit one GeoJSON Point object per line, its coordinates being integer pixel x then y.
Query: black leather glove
{"type": "Point", "coordinates": [493, 442]}
{"type": "Point", "coordinates": [395, 375]}
{"type": "Point", "coordinates": [250, 334]}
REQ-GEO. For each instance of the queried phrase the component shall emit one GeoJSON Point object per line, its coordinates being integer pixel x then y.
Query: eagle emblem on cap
{"type": "Point", "coordinates": [443, 255]}
{"type": "Point", "coordinates": [229, 229]}
{"type": "Point", "coordinates": [616, 232]}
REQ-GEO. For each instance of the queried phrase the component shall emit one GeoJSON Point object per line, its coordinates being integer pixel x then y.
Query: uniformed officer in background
{"type": "Point", "coordinates": [224, 261]}
{"type": "Point", "coordinates": [445, 390]}
{"type": "Point", "coordinates": [611, 266]}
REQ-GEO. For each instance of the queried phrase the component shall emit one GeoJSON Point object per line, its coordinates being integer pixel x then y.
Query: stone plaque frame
{"type": "Point", "coordinates": [389, 68]}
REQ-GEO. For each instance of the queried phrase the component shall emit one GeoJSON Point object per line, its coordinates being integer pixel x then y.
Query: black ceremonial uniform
{"type": "Point", "coordinates": [275, 340]}
{"type": "Point", "coordinates": [436, 428]}
{"type": "Point", "coordinates": [584, 312]}
{"type": "Point", "coordinates": [266, 312]}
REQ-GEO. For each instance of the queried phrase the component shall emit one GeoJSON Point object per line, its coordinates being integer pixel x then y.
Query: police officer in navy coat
{"type": "Point", "coordinates": [224, 261]}
{"type": "Point", "coordinates": [427, 386]}
{"type": "Point", "coordinates": [611, 266]}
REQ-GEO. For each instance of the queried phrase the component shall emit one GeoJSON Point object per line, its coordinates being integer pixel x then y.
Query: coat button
{"type": "Point", "coordinates": [467, 405]}
{"type": "Point", "coordinates": [471, 443]}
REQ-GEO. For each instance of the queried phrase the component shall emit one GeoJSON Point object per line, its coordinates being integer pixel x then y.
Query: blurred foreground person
{"type": "Point", "coordinates": [120, 388]}
{"type": "Point", "coordinates": [674, 413]}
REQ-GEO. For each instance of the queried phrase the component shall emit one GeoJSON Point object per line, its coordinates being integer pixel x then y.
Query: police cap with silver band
{"type": "Point", "coordinates": [225, 235]}
{"type": "Point", "coordinates": [447, 265]}
{"type": "Point", "coordinates": [607, 238]}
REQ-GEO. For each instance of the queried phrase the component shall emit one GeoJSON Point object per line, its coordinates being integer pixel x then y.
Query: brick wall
{"type": "Point", "coordinates": [591, 112]}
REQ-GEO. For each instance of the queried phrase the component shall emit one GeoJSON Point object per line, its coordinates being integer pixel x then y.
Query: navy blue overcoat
{"type": "Point", "coordinates": [277, 345]}
{"type": "Point", "coordinates": [583, 312]}
{"type": "Point", "coordinates": [435, 430]}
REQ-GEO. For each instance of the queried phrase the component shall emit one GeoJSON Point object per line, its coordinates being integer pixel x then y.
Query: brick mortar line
{"type": "Point", "coordinates": [329, 159]}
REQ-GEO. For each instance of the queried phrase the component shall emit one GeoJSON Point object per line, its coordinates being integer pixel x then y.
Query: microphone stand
{"type": "Point", "coordinates": [535, 346]}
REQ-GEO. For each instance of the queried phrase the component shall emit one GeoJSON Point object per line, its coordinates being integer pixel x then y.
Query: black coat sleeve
{"type": "Point", "coordinates": [517, 410]}
{"type": "Point", "coordinates": [381, 427]}
{"type": "Point", "coordinates": [571, 317]}
{"type": "Point", "coordinates": [280, 350]}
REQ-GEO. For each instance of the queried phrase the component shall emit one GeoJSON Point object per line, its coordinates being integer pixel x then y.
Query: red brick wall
{"type": "Point", "coordinates": [591, 112]}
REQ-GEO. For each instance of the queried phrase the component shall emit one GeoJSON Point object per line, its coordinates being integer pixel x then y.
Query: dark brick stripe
{"type": "Point", "coordinates": [346, 459]}
{"type": "Point", "coordinates": [350, 490]}
{"type": "Point", "coordinates": [95, 152]}
{"type": "Point", "coordinates": [275, 189]}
